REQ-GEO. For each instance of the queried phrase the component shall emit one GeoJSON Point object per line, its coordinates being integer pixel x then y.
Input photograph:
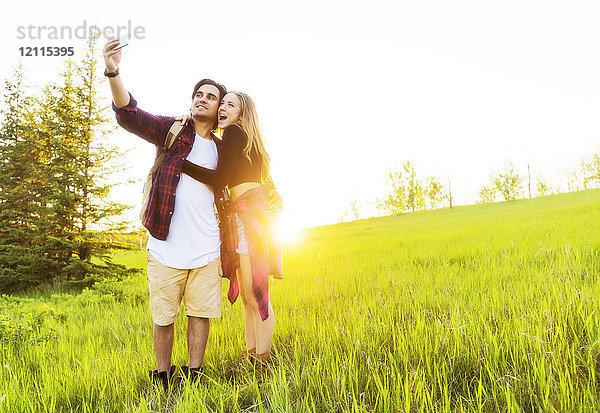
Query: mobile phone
{"type": "Point", "coordinates": [123, 41]}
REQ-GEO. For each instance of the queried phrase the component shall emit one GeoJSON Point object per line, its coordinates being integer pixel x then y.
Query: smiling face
{"type": "Point", "coordinates": [205, 103]}
{"type": "Point", "coordinates": [230, 110]}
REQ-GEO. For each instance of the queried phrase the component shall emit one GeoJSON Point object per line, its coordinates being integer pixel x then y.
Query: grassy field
{"type": "Point", "coordinates": [481, 308]}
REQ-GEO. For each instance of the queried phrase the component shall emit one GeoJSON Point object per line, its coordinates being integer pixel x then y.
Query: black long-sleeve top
{"type": "Point", "coordinates": [233, 167]}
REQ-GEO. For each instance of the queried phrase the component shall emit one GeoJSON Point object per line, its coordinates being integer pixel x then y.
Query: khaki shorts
{"type": "Point", "coordinates": [200, 289]}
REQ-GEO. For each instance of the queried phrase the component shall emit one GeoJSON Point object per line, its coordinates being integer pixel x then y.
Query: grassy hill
{"type": "Point", "coordinates": [479, 308]}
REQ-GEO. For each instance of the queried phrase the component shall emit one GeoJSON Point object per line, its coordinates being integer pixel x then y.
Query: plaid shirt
{"type": "Point", "coordinates": [264, 246]}
{"type": "Point", "coordinates": [154, 129]}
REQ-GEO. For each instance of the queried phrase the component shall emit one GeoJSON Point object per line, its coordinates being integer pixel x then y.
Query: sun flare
{"type": "Point", "coordinates": [289, 229]}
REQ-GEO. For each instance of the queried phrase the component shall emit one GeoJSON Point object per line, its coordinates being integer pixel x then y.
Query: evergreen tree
{"type": "Point", "coordinates": [21, 261]}
{"type": "Point", "coordinates": [62, 221]}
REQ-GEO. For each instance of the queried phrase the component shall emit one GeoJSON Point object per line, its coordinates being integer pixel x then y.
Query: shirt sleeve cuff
{"type": "Point", "coordinates": [130, 107]}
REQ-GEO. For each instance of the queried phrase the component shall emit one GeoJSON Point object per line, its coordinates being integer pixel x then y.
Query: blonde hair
{"type": "Point", "coordinates": [248, 121]}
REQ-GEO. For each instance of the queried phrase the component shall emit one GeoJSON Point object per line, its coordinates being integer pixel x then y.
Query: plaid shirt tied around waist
{"type": "Point", "coordinates": [264, 246]}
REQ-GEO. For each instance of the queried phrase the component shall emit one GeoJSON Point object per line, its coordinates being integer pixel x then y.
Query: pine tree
{"type": "Point", "coordinates": [21, 262]}
{"type": "Point", "coordinates": [53, 187]}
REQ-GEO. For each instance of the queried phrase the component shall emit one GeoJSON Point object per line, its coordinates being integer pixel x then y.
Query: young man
{"type": "Point", "coordinates": [184, 245]}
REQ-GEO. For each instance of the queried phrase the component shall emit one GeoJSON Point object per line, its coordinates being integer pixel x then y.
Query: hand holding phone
{"type": "Point", "coordinates": [123, 41]}
{"type": "Point", "coordinates": [112, 52]}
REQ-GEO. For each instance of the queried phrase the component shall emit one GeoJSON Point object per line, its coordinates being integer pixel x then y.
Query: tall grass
{"type": "Point", "coordinates": [480, 308]}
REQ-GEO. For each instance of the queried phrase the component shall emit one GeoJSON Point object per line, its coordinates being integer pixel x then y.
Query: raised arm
{"type": "Point", "coordinates": [147, 126]}
{"type": "Point", "coordinates": [234, 141]}
{"type": "Point", "coordinates": [112, 58]}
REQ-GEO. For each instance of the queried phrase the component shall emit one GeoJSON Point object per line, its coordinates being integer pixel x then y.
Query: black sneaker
{"type": "Point", "coordinates": [162, 377]}
{"type": "Point", "coordinates": [191, 374]}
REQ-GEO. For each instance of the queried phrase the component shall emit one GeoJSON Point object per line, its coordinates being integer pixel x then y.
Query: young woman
{"type": "Point", "coordinates": [243, 167]}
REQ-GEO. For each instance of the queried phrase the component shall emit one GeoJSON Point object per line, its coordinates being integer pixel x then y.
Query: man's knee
{"type": "Point", "coordinates": [164, 326]}
{"type": "Point", "coordinates": [163, 330]}
{"type": "Point", "coordinates": [198, 321]}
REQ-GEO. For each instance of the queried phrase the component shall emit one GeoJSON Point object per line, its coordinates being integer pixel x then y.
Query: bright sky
{"type": "Point", "coordinates": [345, 89]}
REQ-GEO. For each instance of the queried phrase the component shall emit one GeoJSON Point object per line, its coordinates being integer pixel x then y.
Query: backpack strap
{"type": "Point", "coordinates": [174, 133]}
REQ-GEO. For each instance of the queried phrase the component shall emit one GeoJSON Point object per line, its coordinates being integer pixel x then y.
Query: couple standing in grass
{"type": "Point", "coordinates": [187, 252]}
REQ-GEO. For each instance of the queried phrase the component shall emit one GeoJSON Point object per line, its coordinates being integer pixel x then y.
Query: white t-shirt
{"type": "Point", "coordinates": [193, 239]}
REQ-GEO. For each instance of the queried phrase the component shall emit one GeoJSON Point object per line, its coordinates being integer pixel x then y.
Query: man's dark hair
{"type": "Point", "coordinates": [222, 89]}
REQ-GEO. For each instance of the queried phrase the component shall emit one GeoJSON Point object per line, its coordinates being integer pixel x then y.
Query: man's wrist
{"type": "Point", "coordinates": [114, 73]}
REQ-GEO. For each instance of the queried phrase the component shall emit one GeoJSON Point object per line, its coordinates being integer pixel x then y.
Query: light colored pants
{"type": "Point", "coordinates": [200, 289]}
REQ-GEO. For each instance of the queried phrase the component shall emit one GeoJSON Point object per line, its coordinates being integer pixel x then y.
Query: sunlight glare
{"type": "Point", "coordinates": [289, 228]}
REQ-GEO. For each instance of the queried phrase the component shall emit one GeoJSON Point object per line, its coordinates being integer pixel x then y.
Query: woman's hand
{"type": "Point", "coordinates": [184, 118]}
{"type": "Point", "coordinates": [112, 58]}
{"type": "Point", "coordinates": [275, 202]}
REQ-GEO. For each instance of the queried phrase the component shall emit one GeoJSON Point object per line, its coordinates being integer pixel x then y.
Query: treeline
{"type": "Point", "coordinates": [508, 184]}
{"type": "Point", "coordinates": [57, 169]}
{"type": "Point", "coordinates": [407, 191]}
